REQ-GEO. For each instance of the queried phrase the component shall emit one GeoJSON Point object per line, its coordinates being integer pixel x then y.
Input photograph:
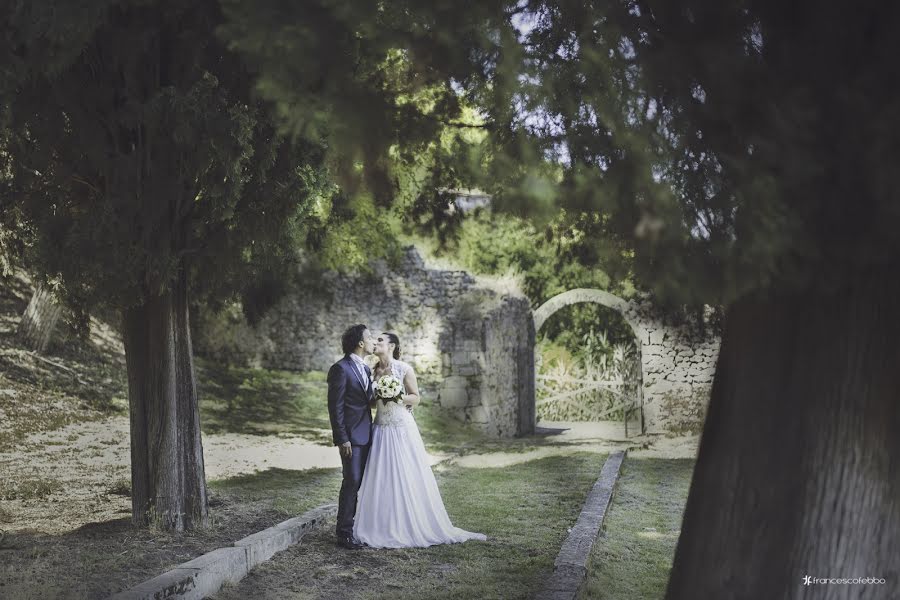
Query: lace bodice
{"type": "Point", "coordinates": [392, 413]}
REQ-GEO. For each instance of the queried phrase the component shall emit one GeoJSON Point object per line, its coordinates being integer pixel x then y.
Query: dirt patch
{"type": "Point", "coordinates": [81, 378]}
{"type": "Point", "coordinates": [99, 559]}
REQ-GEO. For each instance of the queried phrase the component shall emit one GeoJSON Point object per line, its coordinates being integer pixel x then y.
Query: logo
{"type": "Point", "coordinates": [808, 580]}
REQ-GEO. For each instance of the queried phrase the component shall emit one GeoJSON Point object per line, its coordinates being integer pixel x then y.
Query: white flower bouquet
{"type": "Point", "coordinates": [389, 388]}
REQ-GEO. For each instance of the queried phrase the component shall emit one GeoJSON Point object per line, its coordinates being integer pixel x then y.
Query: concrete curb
{"type": "Point", "coordinates": [570, 567]}
{"type": "Point", "coordinates": [206, 574]}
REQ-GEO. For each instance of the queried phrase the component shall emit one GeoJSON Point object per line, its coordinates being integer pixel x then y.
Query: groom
{"type": "Point", "coordinates": [349, 394]}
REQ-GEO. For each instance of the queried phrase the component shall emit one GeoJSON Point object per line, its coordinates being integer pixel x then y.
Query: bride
{"type": "Point", "coordinates": [399, 503]}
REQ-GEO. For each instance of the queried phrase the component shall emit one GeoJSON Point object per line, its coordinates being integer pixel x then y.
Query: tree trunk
{"type": "Point", "coordinates": [39, 320]}
{"type": "Point", "coordinates": [168, 483]}
{"type": "Point", "coordinates": [799, 466]}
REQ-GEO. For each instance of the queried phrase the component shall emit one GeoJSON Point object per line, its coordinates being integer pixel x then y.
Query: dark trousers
{"type": "Point", "coordinates": [353, 474]}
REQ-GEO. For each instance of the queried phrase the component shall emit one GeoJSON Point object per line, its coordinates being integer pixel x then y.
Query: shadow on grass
{"type": "Point", "coordinates": [525, 510]}
{"type": "Point", "coordinates": [265, 402]}
{"type": "Point", "coordinates": [288, 492]}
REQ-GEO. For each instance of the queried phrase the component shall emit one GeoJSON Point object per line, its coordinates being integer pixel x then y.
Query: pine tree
{"type": "Point", "coordinates": [151, 175]}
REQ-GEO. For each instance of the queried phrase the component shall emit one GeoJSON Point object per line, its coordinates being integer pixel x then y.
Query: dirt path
{"type": "Point", "coordinates": [70, 476]}
{"type": "Point", "coordinates": [601, 437]}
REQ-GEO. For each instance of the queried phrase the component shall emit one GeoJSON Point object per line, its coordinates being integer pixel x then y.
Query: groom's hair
{"type": "Point", "coordinates": [352, 337]}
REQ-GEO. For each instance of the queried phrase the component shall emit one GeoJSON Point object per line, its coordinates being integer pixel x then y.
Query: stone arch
{"type": "Point", "coordinates": [603, 298]}
{"type": "Point", "coordinates": [581, 295]}
{"type": "Point", "coordinates": [677, 362]}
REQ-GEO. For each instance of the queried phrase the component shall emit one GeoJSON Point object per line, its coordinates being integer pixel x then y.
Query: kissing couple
{"type": "Point", "coordinates": [389, 497]}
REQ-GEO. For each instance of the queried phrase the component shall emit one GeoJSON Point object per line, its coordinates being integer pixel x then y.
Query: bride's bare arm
{"type": "Point", "coordinates": [409, 380]}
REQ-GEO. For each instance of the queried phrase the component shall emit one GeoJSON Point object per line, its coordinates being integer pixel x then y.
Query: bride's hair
{"type": "Point", "coordinates": [392, 338]}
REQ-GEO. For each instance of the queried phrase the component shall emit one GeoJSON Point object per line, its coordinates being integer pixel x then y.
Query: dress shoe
{"type": "Point", "coordinates": [349, 543]}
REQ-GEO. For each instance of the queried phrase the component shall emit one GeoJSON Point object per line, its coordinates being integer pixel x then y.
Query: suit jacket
{"type": "Point", "coordinates": [348, 404]}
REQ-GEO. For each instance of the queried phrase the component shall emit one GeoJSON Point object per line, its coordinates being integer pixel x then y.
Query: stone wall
{"type": "Point", "coordinates": [477, 337]}
{"type": "Point", "coordinates": [678, 364]}
{"type": "Point", "coordinates": [488, 363]}
{"type": "Point", "coordinates": [303, 331]}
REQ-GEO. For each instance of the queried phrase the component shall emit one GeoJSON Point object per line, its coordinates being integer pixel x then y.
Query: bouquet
{"type": "Point", "coordinates": [389, 388]}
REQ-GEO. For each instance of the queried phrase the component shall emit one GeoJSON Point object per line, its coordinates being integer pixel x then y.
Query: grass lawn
{"type": "Point", "coordinates": [633, 557]}
{"type": "Point", "coordinates": [525, 510]}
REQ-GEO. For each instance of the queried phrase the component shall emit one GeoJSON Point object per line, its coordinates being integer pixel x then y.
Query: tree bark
{"type": "Point", "coordinates": [167, 474]}
{"type": "Point", "coordinates": [799, 465]}
{"type": "Point", "coordinates": [39, 320]}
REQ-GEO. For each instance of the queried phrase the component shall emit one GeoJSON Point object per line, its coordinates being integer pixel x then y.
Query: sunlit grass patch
{"type": "Point", "coordinates": [633, 557]}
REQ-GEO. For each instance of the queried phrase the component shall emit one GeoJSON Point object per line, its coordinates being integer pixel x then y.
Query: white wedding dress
{"type": "Point", "coordinates": [399, 505]}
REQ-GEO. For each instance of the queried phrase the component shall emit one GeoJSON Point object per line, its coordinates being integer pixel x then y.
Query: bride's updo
{"type": "Point", "coordinates": [393, 339]}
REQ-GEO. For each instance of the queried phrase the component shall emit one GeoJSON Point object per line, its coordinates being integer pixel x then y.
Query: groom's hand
{"type": "Point", "coordinates": [346, 450]}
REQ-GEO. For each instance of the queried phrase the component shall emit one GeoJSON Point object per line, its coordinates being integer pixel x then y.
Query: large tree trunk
{"type": "Point", "coordinates": [799, 466]}
{"type": "Point", "coordinates": [39, 319]}
{"type": "Point", "coordinates": [168, 483]}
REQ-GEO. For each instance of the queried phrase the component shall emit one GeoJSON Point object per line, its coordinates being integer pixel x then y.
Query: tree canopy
{"type": "Point", "coordinates": [134, 143]}
{"type": "Point", "coordinates": [735, 146]}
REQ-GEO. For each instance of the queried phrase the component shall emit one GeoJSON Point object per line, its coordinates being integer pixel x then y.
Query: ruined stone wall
{"type": "Point", "coordinates": [488, 363]}
{"type": "Point", "coordinates": [475, 337]}
{"type": "Point", "coordinates": [678, 364]}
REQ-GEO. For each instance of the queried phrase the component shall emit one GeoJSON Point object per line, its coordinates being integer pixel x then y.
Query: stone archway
{"type": "Point", "coordinates": [677, 362]}
{"type": "Point", "coordinates": [581, 295]}
{"type": "Point", "coordinates": [603, 298]}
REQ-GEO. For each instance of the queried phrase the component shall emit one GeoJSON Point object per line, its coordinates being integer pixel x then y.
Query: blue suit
{"type": "Point", "coordinates": [351, 421]}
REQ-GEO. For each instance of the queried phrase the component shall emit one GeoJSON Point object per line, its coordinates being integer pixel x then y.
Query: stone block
{"type": "Point", "coordinates": [453, 397]}
{"type": "Point", "coordinates": [466, 370]}
{"type": "Point", "coordinates": [459, 358]}
{"type": "Point", "coordinates": [454, 382]}
{"type": "Point", "coordinates": [477, 414]}
{"type": "Point", "coordinates": [177, 583]}
{"type": "Point", "coordinates": [471, 345]}
{"type": "Point", "coordinates": [658, 336]}
{"type": "Point", "coordinates": [225, 565]}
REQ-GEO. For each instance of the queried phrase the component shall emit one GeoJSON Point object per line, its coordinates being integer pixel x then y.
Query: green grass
{"type": "Point", "coordinates": [525, 510]}
{"type": "Point", "coordinates": [633, 557]}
